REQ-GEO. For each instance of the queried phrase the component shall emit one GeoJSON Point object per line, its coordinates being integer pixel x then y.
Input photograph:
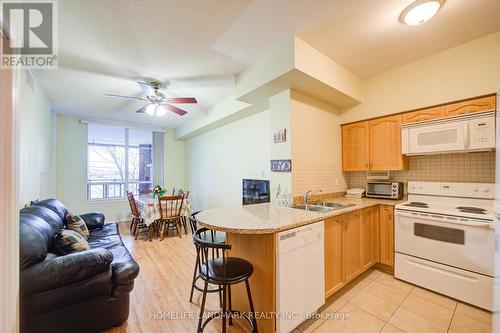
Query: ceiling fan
{"type": "Point", "coordinates": [157, 102]}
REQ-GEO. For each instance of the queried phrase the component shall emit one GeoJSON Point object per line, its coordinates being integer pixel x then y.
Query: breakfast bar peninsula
{"type": "Point", "coordinates": [296, 253]}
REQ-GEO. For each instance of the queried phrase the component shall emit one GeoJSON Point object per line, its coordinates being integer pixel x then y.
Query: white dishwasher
{"type": "Point", "coordinates": [300, 278]}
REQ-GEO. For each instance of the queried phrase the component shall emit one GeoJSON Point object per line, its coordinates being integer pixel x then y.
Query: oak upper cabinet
{"type": "Point", "coordinates": [334, 255]}
{"type": "Point", "coordinates": [370, 236]}
{"type": "Point", "coordinates": [355, 146]}
{"type": "Point", "coordinates": [473, 105]}
{"type": "Point", "coordinates": [424, 114]}
{"type": "Point", "coordinates": [385, 144]}
{"type": "Point", "coordinates": [386, 238]}
{"type": "Point", "coordinates": [353, 245]}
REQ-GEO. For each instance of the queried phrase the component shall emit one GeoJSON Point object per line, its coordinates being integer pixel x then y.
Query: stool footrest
{"type": "Point", "coordinates": [234, 314]}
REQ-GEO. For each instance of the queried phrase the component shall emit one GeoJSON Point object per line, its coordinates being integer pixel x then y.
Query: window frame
{"type": "Point", "coordinates": [126, 182]}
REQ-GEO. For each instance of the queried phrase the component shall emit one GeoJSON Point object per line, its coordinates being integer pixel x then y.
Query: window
{"type": "Point", "coordinates": [118, 159]}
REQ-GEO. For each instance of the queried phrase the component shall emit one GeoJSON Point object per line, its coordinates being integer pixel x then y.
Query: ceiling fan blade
{"type": "Point", "coordinates": [147, 88]}
{"type": "Point", "coordinates": [143, 109]}
{"type": "Point", "coordinates": [182, 100]}
{"type": "Point", "coordinates": [174, 109]}
{"type": "Point", "coordinates": [126, 97]}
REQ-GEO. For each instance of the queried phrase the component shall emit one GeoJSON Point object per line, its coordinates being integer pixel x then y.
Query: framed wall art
{"type": "Point", "coordinates": [281, 165]}
{"type": "Point", "coordinates": [279, 136]}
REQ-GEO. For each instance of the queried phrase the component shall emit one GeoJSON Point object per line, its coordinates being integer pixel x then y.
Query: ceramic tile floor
{"type": "Point", "coordinates": [377, 302]}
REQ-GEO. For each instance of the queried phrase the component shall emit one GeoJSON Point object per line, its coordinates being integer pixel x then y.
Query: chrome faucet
{"type": "Point", "coordinates": [309, 194]}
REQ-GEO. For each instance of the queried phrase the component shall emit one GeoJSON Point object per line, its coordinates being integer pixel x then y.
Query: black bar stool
{"type": "Point", "coordinates": [213, 237]}
{"type": "Point", "coordinates": [222, 271]}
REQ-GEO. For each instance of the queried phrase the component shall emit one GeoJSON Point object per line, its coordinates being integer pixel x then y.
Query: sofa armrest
{"type": "Point", "coordinates": [93, 220]}
{"type": "Point", "coordinates": [64, 270]}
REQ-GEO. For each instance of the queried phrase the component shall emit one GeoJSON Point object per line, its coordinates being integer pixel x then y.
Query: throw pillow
{"type": "Point", "coordinates": [76, 223]}
{"type": "Point", "coordinates": [69, 241]}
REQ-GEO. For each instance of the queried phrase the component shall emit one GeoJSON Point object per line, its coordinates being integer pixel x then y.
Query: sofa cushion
{"type": "Point", "coordinates": [108, 229]}
{"type": "Point", "coordinates": [46, 214]}
{"type": "Point", "coordinates": [93, 220]}
{"type": "Point", "coordinates": [54, 205]}
{"type": "Point", "coordinates": [125, 269]}
{"type": "Point", "coordinates": [106, 242]}
{"type": "Point", "coordinates": [40, 225]}
{"type": "Point", "coordinates": [69, 241]}
{"type": "Point", "coordinates": [64, 270]}
{"type": "Point", "coordinates": [76, 223]}
{"type": "Point", "coordinates": [32, 245]}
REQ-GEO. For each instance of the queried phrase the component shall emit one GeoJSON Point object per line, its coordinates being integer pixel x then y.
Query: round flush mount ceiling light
{"type": "Point", "coordinates": [420, 11]}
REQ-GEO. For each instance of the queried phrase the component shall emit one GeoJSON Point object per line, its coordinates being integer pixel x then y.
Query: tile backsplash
{"type": "Point", "coordinates": [466, 167]}
{"type": "Point", "coordinates": [328, 178]}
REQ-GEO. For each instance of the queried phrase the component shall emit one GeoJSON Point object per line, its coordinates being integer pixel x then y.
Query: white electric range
{"type": "Point", "coordinates": [445, 240]}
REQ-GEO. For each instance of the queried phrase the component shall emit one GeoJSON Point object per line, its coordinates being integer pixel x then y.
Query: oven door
{"type": "Point", "coordinates": [443, 137]}
{"type": "Point", "coordinates": [463, 243]}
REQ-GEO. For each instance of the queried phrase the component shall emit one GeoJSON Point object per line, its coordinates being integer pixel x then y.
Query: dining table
{"type": "Point", "coordinates": [149, 209]}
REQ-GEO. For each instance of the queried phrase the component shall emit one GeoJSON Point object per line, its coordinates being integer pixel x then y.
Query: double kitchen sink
{"type": "Point", "coordinates": [322, 207]}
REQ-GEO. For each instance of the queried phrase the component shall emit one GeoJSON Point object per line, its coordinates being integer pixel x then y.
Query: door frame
{"type": "Point", "coordinates": [9, 202]}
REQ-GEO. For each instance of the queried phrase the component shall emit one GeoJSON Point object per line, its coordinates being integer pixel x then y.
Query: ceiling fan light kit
{"type": "Point", "coordinates": [158, 103]}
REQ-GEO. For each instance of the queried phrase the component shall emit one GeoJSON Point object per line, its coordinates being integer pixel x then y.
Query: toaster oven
{"type": "Point", "coordinates": [385, 190]}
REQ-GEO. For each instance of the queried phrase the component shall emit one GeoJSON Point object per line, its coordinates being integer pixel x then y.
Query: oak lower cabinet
{"type": "Point", "coordinates": [334, 255]}
{"type": "Point", "coordinates": [386, 235]}
{"type": "Point", "coordinates": [370, 236]}
{"type": "Point", "coordinates": [353, 239]}
{"type": "Point", "coordinates": [356, 241]}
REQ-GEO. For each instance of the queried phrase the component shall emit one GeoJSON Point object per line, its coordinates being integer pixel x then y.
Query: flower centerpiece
{"type": "Point", "coordinates": [158, 191]}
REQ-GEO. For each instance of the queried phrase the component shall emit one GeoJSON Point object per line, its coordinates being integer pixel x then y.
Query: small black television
{"type": "Point", "coordinates": [256, 191]}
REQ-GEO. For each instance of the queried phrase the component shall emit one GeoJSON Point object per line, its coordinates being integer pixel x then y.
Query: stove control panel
{"type": "Point", "coordinates": [450, 189]}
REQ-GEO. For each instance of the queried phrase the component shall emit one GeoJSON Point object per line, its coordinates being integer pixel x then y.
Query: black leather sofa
{"type": "Point", "coordinates": [81, 292]}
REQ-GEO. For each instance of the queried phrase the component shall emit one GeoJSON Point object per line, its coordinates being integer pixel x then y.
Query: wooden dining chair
{"type": "Point", "coordinates": [137, 221]}
{"type": "Point", "coordinates": [170, 213]}
{"type": "Point", "coordinates": [180, 192]}
{"type": "Point", "coordinates": [183, 218]}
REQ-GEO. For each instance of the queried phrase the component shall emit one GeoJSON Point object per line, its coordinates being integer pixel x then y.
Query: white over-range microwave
{"type": "Point", "coordinates": [466, 133]}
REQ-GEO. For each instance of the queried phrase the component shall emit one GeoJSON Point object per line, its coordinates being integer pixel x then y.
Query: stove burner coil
{"type": "Point", "coordinates": [473, 210]}
{"type": "Point", "coordinates": [417, 204]}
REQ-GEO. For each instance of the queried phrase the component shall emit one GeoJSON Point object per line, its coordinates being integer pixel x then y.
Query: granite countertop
{"type": "Point", "coordinates": [269, 218]}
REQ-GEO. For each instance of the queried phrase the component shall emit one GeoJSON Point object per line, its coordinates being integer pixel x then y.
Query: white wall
{"type": "Point", "coordinates": [174, 176]}
{"type": "Point", "coordinates": [217, 161]}
{"type": "Point", "coordinates": [464, 71]}
{"type": "Point", "coordinates": [36, 143]}
{"type": "Point", "coordinates": [316, 148]}
{"type": "Point", "coordinates": [280, 119]}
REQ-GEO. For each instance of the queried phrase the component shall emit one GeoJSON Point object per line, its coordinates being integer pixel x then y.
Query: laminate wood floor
{"type": "Point", "coordinates": [160, 299]}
